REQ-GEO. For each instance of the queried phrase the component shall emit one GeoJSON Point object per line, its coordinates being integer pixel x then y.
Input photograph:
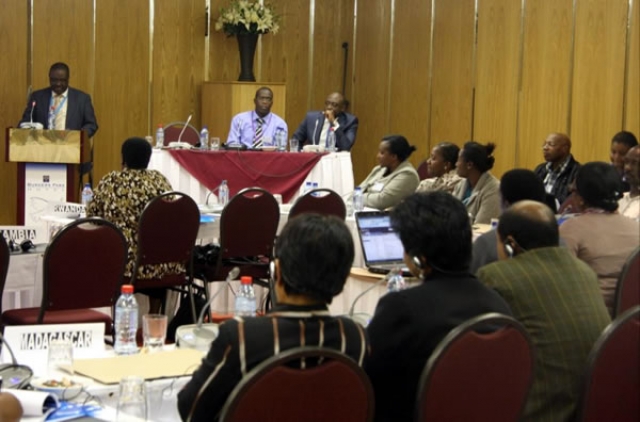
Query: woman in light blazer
{"type": "Point", "coordinates": [394, 178]}
{"type": "Point", "coordinates": [480, 192]}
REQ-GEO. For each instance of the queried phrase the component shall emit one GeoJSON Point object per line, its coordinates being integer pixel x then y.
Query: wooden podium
{"type": "Point", "coordinates": [223, 100]}
{"type": "Point", "coordinates": [48, 168]}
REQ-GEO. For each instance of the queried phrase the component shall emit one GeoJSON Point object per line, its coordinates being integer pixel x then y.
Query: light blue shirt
{"type": "Point", "coordinates": [243, 128]}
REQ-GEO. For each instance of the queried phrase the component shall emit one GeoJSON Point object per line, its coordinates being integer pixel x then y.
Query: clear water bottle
{"type": "Point", "coordinates": [160, 137]}
{"type": "Point", "coordinates": [308, 186]}
{"type": "Point", "coordinates": [331, 140]}
{"type": "Point", "coordinates": [223, 193]}
{"type": "Point", "coordinates": [281, 140]}
{"type": "Point", "coordinates": [204, 138]}
{"type": "Point", "coordinates": [358, 200]}
{"type": "Point", "coordinates": [395, 281]}
{"type": "Point", "coordinates": [246, 298]}
{"type": "Point", "coordinates": [126, 322]}
{"type": "Point", "coordinates": [87, 194]}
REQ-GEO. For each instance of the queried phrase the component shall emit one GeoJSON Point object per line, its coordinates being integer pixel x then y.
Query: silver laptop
{"type": "Point", "coordinates": [381, 246]}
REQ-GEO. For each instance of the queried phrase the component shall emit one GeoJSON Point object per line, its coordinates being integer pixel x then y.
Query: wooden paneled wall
{"type": "Point", "coordinates": [500, 71]}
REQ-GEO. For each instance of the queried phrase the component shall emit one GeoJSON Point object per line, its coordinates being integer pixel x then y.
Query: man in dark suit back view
{"type": "Point", "coordinates": [317, 124]}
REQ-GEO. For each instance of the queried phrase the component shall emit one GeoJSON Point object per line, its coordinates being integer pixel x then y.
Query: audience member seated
{"type": "Point", "coordinates": [630, 202]}
{"type": "Point", "coordinates": [480, 191]}
{"type": "Point", "coordinates": [408, 325]}
{"type": "Point", "coordinates": [560, 167]}
{"type": "Point", "coordinates": [556, 297]}
{"type": "Point", "coordinates": [313, 257]}
{"type": "Point", "coordinates": [257, 128]}
{"type": "Point", "coordinates": [442, 169]}
{"type": "Point", "coordinates": [316, 125]}
{"type": "Point", "coordinates": [121, 196]}
{"type": "Point", "coordinates": [600, 236]}
{"type": "Point", "coordinates": [515, 185]}
{"type": "Point", "coordinates": [394, 178]}
{"type": "Point", "coordinates": [621, 143]}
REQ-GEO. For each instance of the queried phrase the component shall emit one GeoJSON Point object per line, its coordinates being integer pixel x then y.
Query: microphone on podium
{"type": "Point", "coordinates": [199, 336]}
{"type": "Point", "coordinates": [179, 143]}
{"type": "Point", "coordinates": [31, 124]}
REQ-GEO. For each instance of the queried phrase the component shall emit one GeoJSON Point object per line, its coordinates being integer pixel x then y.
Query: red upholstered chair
{"type": "Point", "coordinates": [167, 233]}
{"type": "Point", "coordinates": [628, 287]}
{"type": "Point", "coordinates": [83, 268]}
{"type": "Point", "coordinates": [320, 201]}
{"type": "Point", "coordinates": [612, 382]}
{"type": "Point", "coordinates": [4, 268]}
{"type": "Point", "coordinates": [423, 170]}
{"type": "Point", "coordinates": [173, 129]}
{"type": "Point", "coordinates": [481, 371]}
{"type": "Point", "coordinates": [279, 389]}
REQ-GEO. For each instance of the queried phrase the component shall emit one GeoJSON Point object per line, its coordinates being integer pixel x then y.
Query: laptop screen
{"type": "Point", "coordinates": [380, 244]}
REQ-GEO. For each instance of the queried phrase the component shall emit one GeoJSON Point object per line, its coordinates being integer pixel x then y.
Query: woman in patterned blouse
{"type": "Point", "coordinates": [121, 196]}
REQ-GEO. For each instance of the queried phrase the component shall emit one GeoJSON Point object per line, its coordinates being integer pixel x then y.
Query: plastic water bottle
{"type": "Point", "coordinates": [223, 193]}
{"type": "Point", "coordinates": [246, 298]}
{"type": "Point", "coordinates": [358, 200]}
{"type": "Point", "coordinates": [331, 140]}
{"type": "Point", "coordinates": [160, 137]}
{"type": "Point", "coordinates": [87, 194]}
{"type": "Point", "coordinates": [307, 187]}
{"type": "Point", "coordinates": [204, 138]}
{"type": "Point", "coordinates": [281, 140]}
{"type": "Point", "coordinates": [126, 322]}
{"type": "Point", "coordinates": [395, 281]}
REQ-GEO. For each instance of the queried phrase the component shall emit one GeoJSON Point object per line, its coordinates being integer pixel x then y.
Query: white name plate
{"type": "Point", "coordinates": [19, 233]}
{"type": "Point", "coordinates": [65, 209]}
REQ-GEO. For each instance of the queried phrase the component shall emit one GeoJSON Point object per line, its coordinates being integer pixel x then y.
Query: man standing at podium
{"type": "Point", "coordinates": [59, 106]}
{"type": "Point", "coordinates": [257, 128]}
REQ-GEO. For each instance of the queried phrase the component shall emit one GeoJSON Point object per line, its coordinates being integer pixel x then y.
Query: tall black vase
{"type": "Point", "coordinates": [247, 46]}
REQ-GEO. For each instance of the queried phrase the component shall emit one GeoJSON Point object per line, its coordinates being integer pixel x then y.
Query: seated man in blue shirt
{"type": "Point", "coordinates": [257, 128]}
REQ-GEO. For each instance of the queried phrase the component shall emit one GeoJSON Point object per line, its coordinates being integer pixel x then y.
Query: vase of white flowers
{"type": "Point", "coordinates": [247, 20]}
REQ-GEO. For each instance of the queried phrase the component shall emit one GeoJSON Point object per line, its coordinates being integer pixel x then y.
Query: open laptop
{"type": "Point", "coordinates": [381, 246]}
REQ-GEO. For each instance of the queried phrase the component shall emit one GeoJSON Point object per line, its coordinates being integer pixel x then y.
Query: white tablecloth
{"type": "Point", "coordinates": [333, 171]}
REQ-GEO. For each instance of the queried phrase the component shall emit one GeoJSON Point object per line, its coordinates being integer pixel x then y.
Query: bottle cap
{"type": "Point", "coordinates": [245, 279]}
{"type": "Point", "coordinates": [160, 125]}
{"type": "Point", "coordinates": [126, 288]}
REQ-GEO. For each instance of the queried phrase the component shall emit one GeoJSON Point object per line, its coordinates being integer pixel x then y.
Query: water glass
{"type": "Point", "coordinates": [132, 400]}
{"type": "Point", "coordinates": [154, 331]}
{"type": "Point", "coordinates": [214, 145]}
{"type": "Point", "coordinates": [60, 355]}
{"type": "Point", "coordinates": [293, 145]}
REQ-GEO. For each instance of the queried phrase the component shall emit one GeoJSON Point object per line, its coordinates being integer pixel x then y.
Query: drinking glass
{"type": "Point", "coordinates": [60, 355]}
{"type": "Point", "coordinates": [293, 145]}
{"type": "Point", "coordinates": [214, 145]}
{"type": "Point", "coordinates": [154, 331]}
{"type": "Point", "coordinates": [132, 400]}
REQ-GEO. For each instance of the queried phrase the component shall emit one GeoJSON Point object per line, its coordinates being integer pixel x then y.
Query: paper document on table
{"type": "Point", "coordinates": [173, 363]}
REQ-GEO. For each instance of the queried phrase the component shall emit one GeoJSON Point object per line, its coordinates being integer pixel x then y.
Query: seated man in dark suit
{"type": "Point", "coordinates": [317, 124]}
{"type": "Point", "coordinates": [313, 258]}
{"type": "Point", "coordinates": [60, 106]}
{"type": "Point", "coordinates": [408, 325]}
{"type": "Point", "coordinates": [556, 297]}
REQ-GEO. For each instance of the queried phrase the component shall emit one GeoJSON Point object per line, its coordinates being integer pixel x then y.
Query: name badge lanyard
{"type": "Point", "coordinates": [53, 112]}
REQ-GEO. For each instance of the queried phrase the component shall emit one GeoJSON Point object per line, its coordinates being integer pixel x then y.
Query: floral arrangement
{"type": "Point", "coordinates": [247, 17]}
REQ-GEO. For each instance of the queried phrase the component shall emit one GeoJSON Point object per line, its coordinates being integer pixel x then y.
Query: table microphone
{"type": "Point", "coordinates": [31, 124]}
{"type": "Point", "coordinates": [13, 374]}
{"type": "Point", "coordinates": [199, 335]}
{"type": "Point", "coordinates": [179, 143]}
{"type": "Point", "coordinates": [363, 318]}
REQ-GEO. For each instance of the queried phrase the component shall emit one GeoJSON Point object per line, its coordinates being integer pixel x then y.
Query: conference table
{"type": "Point", "coordinates": [198, 173]}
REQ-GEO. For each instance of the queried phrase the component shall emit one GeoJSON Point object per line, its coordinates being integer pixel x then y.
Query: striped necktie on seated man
{"type": "Point", "coordinates": [257, 139]}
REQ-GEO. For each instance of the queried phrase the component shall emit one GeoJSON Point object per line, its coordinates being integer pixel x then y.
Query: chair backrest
{"type": "Point", "coordinates": [172, 132]}
{"type": "Point", "coordinates": [248, 224]}
{"type": "Point", "coordinates": [167, 231]}
{"type": "Point", "coordinates": [612, 382]}
{"type": "Point", "coordinates": [83, 266]}
{"type": "Point", "coordinates": [628, 287]}
{"type": "Point", "coordinates": [481, 371]}
{"type": "Point", "coordinates": [302, 384]}
{"type": "Point", "coordinates": [423, 170]}
{"type": "Point", "coordinates": [320, 201]}
{"type": "Point", "coordinates": [4, 266]}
